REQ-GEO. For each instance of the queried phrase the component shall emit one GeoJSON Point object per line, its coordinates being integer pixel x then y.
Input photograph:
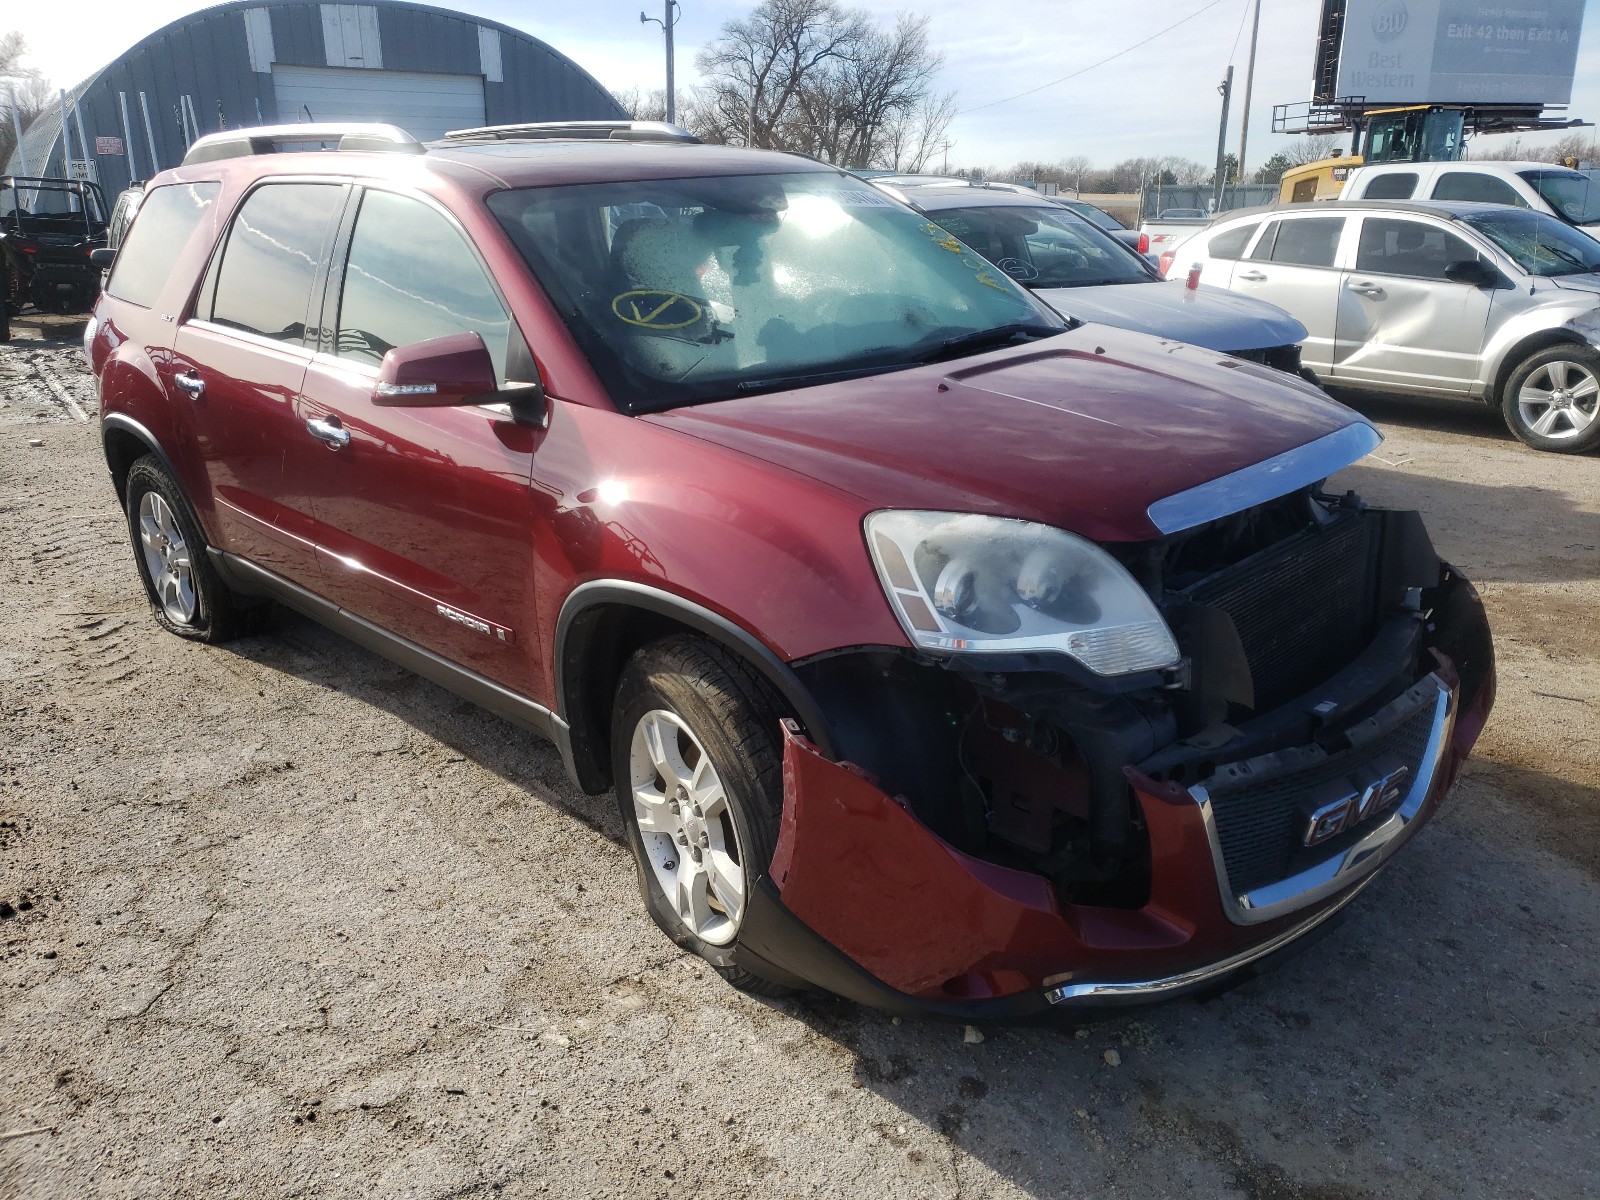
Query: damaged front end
{"type": "Point", "coordinates": [1000, 835]}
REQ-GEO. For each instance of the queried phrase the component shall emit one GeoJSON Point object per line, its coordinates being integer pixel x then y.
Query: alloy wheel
{"type": "Point", "coordinates": [687, 827]}
{"type": "Point", "coordinates": [166, 559]}
{"type": "Point", "coordinates": [1560, 400]}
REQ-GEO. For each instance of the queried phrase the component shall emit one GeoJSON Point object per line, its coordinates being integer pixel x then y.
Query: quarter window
{"type": "Point", "coordinates": [1309, 243]}
{"type": "Point", "coordinates": [412, 276]}
{"type": "Point", "coordinates": [167, 218]}
{"type": "Point", "coordinates": [1393, 185]}
{"type": "Point", "coordinates": [1391, 247]}
{"type": "Point", "coordinates": [1230, 243]}
{"type": "Point", "coordinates": [277, 245]}
{"type": "Point", "coordinates": [1476, 186]}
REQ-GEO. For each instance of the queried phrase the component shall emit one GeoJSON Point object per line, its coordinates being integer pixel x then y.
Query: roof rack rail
{"type": "Point", "coordinates": [600, 131]}
{"type": "Point", "coordinates": [265, 139]}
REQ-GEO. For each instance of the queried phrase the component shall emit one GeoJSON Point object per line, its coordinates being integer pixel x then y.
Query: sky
{"type": "Point", "coordinates": [1156, 98]}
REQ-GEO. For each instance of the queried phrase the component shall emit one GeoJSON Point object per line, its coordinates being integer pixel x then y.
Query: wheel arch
{"type": "Point", "coordinates": [1519, 351]}
{"type": "Point", "coordinates": [600, 626]}
{"type": "Point", "coordinates": [125, 442]}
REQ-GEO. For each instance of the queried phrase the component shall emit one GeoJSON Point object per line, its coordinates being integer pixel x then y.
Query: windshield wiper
{"type": "Point", "coordinates": [990, 339]}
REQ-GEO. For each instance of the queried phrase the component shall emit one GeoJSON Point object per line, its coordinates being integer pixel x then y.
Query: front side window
{"type": "Point", "coordinates": [1394, 247]}
{"type": "Point", "coordinates": [687, 290]}
{"type": "Point", "coordinates": [1395, 185]}
{"type": "Point", "coordinates": [1574, 196]}
{"type": "Point", "coordinates": [1043, 247]}
{"type": "Point", "coordinates": [276, 247]}
{"type": "Point", "coordinates": [1476, 186]}
{"type": "Point", "coordinates": [411, 276]}
{"type": "Point", "coordinates": [167, 218]}
{"type": "Point", "coordinates": [1540, 244]}
{"type": "Point", "coordinates": [1309, 243]}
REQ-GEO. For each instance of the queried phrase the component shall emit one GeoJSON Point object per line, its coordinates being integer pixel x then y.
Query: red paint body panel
{"type": "Point", "coordinates": [859, 869]}
{"type": "Point", "coordinates": [1053, 432]}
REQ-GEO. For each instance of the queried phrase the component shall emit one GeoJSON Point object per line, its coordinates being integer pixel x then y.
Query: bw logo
{"type": "Point", "coordinates": [1390, 19]}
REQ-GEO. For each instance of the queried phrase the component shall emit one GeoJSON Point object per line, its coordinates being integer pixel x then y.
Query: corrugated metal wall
{"type": "Point", "coordinates": [209, 57]}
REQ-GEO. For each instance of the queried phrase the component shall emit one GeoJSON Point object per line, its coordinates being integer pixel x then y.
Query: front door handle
{"type": "Point", "coordinates": [1253, 277]}
{"type": "Point", "coordinates": [329, 432]}
{"type": "Point", "coordinates": [1370, 290]}
{"type": "Point", "coordinates": [192, 385]}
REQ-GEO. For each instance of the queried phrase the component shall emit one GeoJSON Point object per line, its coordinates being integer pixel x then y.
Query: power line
{"type": "Point", "coordinates": [1092, 66]}
{"type": "Point", "coordinates": [1243, 17]}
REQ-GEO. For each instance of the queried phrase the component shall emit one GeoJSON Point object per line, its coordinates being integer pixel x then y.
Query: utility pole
{"type": "Point", "coordinates": [1249, 81]}
{"type": "Point", "coordinates": [1222, 142]}
{"type": "Point", "coordinates": [667, 20]}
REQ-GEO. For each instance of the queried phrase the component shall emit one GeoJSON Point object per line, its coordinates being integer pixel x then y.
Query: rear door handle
{"type": "Point", "coordinates": [1370, 290]}
{"type": "Point", "coordinates": [1253, 277]}
{"type": "Point", "coordinates": [329, 432]}
{"type": "Point", "coordinates": [192, 385]}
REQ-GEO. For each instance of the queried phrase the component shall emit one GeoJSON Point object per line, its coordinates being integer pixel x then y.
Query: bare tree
{"type": "Point", "coordinates": [20, 86]}
{"type": "Point", "coordinates": [644, 106]}
{"type": "Point", "coordinates": [1311, 149]}
{"type": "Point", "coordinates": [824, 80]}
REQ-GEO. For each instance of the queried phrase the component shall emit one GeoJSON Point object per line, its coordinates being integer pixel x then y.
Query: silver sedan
{"type": "Point", "coordinates": [1481, 301]}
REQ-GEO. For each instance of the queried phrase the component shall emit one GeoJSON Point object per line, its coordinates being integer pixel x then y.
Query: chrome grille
{"type": "Point", "coordinates": [1261, 820]}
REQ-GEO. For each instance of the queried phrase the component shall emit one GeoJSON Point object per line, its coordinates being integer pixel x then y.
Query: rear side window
{"type": "Point", "coordinates": [1395, 247]}
{"type": "Point", "coordinates": [1230, 243]}
{"type": "Point", "coordinates": [277, 244]}
{"type": "Point", "coordinates": [1396, 185]}
{"type": "Point", "coordinates": [167, 218]}
{"type": "Point", "coordinates": [411, 276]}
{"type": "Point", "coordinates": [1475, 185]}
{"type": "Point", "coordinates": [1309, 243]}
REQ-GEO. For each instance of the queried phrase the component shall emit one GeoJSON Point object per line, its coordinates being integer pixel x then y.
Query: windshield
{"type": "Point", "coordinates": [1576, 197]}
{"type": "Point", "coordinates": [1044, 246]}
{"type": "Point", "coordinates": [1540, 244]}
{"type": "Point", "coordinates": [687, 290]}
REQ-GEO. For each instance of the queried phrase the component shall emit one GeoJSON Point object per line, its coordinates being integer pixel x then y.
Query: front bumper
{"type": "Point", "coordinates": [864, 900]}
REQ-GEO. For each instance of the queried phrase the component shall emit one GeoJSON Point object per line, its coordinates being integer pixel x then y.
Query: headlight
{"type": "Point", "coordinates": [974, 583]}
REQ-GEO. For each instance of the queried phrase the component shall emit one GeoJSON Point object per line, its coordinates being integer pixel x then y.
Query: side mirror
{"type": "Point", "coordinates": [1473, 272]}
{"type": "Point", "coordinates": [102, 258]}
{"type": "Point", "coordinates": [438, 373]}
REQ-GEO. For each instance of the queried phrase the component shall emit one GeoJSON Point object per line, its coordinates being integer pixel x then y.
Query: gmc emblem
{"type": "Point", "coordinates": [1350, 809]}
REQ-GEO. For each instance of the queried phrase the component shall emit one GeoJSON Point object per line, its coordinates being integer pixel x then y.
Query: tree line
{"type": "Point", "coordinates": [816, 78]}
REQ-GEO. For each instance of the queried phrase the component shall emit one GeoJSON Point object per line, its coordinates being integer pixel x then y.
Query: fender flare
{"type": "Point", "coordinates": [571, 646]}
{"type": "Point", "coordinates": [120, 422]}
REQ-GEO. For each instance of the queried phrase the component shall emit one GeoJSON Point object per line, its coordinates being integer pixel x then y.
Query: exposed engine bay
{"type": "Point", "coordinates": [1305, 623]}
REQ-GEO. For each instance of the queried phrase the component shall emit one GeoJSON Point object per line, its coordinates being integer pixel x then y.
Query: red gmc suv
{"type": "Point", "coordinates": [941, 653]}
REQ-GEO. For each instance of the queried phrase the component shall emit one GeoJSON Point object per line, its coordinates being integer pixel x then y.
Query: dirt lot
{"type": "Point", "coordinates": [282, 920]}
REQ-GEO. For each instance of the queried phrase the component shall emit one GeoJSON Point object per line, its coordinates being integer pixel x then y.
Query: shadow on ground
{"type": "Point", "coordinates": [1441, 1042]}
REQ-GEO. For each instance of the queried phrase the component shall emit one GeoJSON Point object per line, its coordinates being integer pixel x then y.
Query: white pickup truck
{"type": "Point", "coordinates": [1170, 229]}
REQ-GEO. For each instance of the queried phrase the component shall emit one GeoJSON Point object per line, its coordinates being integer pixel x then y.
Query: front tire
{"type": "Point", "coordinates": [187, 596]}
{"type": "Point", "coordinates": [698, 767]}
{"type": "Point", "coordinates": [1552, 400]}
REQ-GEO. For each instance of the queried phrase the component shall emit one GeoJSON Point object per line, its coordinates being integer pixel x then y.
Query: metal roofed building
{"type": "Point", "coordinates": [255, 62]}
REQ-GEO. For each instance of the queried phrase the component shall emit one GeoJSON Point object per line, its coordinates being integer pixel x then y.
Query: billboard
{"type": "Point", "coordinates": [1460, 51]}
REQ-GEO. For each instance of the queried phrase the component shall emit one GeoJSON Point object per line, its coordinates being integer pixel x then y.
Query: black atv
{"type": "Point", "coordinates": [48, 228]}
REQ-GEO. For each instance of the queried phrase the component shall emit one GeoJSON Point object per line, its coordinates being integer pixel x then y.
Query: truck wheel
{"type": "Point", "coordinates": [1552, 400]}
{"type": "Point", "coordinates": [187, 596]}
{"type": "Point", "coordinates": [699, 781]}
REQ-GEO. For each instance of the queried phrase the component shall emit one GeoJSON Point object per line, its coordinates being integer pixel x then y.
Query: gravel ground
{"type": "Point", "coordinates": [283, 920]}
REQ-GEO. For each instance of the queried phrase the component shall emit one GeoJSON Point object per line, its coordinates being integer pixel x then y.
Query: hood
{"type": "Point", "coordinates": [1578, 283]}
{"type": "Point", "coordinates": [1208, 316]}
{"type": "Point", "coordinates": [1083, 431]}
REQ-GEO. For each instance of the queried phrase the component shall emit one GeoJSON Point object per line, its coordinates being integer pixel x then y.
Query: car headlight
{"type": "Point", "coordinates": [969, 584]}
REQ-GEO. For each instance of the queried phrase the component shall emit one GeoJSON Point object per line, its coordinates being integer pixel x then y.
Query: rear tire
{"type": "Point", "coordinates": [187, 596]}
{"type": "Point", "coordinates": [1552, 400]}
{"type": "Point", "coordinates": [698, 768]}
